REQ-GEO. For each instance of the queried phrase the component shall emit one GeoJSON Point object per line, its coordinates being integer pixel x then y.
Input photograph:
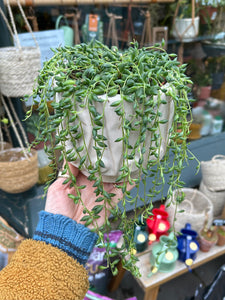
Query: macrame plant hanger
{"type": "Point", "coordinates": [146, 38]}
{"type": "Point", "coordinates": [181, 36]}
{"type": "Point", "coordinates": [31, 16]}
{"type": "Point", "coordinates": [76, 17]}
{"type": "Point", "coordinates": [13, 121]}
{"type": "Point", "coordinates": [129, 27]}
{"type": "Point", "coordinates": [112, 32]}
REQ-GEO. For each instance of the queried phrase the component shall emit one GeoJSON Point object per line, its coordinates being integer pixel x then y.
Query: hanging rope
{"type": "Point", "coordinates": [13, 124]}
{"type": "Point", "coordinates": [129, 28]}
{"type": "Point", "coordinates": [31, 16]}
{"type": "Point", "coordinates": [75, 16]}
{"type": "Point", "coordinates": [146, 38]}
{"type": "Point", "coordinates": [112, 32]}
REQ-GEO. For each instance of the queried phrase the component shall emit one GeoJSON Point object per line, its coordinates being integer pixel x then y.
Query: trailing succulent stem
{"type": "Point", "coordinates": [88, 78]}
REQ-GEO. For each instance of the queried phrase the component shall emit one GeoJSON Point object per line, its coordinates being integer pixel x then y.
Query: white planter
{"type": "Point", "coordinates": [185, 30]}
{"type": "Point", "coordinates": [113, 153]}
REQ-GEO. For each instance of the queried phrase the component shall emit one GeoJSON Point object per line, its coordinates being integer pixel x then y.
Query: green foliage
{"type": "Point", "coordinates": [81, 75]}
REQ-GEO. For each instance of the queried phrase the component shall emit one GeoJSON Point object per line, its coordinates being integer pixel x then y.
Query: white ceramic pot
{"type": "Point", "coordinates": [185, 30]}
{"type": "Point", "coordinates": [113, 153]}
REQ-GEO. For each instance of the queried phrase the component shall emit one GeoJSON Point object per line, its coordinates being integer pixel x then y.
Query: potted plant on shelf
{"type": "Point", "coordinates": [207, 237]}
{"type": "Point", "coordinates": [203, 84]}
{"type": "Point", "coordinates": [116, 119]}
{"type": "Point", "coordinates": [185, 21]}
{"type": "Point", "coordinates": [221, 235]}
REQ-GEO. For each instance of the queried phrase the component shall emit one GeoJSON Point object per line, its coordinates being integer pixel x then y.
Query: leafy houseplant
{"type": "Point", "coordinates": [121, 108]}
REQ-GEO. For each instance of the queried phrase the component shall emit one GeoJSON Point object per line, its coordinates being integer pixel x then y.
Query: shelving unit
{"type": "Point", "coordinates": [83, 2]}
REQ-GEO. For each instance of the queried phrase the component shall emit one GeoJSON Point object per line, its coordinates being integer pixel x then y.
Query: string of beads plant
{"type": "Point", "coordinates": [116, 117]}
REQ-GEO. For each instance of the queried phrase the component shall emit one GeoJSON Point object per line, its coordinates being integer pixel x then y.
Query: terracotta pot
{"type": "Point", "coordinates": [204, 92]}
{"type": "Point", "coordinates": [207, 14]}
{"type": "Point", "coordinates": [221, 237]}
{"type": "Point", "coordinates": [31, 139]}
{"type": "Point", "coordinates": [206, 244]}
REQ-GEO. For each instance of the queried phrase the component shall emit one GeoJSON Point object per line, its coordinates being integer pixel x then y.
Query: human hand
{"type": "Point", "coordinates": [58, 202]}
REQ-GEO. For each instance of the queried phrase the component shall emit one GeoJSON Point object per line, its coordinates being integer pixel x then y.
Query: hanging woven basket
{"type": "Point", "coordinates": [213, 173]}
{"type": "Point", "coordinates": [217, 198]}
{"type": "Point", "coordinates": [18, 173]}
{"type": "Point", "coordinates": [18, 166]}
{"type": "Point", "coordinates": [19, 65]}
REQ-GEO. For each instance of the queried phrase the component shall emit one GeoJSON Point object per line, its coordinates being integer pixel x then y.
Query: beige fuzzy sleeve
{"type": "Point", "coordinates": [39, 271]}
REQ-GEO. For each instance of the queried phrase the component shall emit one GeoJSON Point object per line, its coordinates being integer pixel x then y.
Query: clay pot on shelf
{"type": "Point", "coordinates": [207, 238]}
{"type": "Point", "coordinates": [221, 236]}
{"type": "Point", "coordinates": [204, 92]}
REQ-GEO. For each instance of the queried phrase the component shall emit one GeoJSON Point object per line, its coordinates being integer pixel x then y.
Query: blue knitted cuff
{"type": "Point", "coordinates": [66, 234]}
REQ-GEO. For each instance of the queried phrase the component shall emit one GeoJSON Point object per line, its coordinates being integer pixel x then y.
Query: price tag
{"type": "Point", "coordinates": [93, 23]}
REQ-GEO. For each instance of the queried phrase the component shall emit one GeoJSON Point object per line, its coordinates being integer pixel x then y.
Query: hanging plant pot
{"type": "Point", "coordinates": [18, 173]}
{"type": "Point", "coordinates": [112, 155]}
{"type": "Point", "coordinates": [185, 30]}
{"type": "Point", "coordinates": [19, 65]}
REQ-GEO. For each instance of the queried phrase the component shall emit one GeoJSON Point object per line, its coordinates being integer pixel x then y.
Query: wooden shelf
{"type": "Point", "coordinates": [151, 284]}
{"type": "Point", "coordinates": [83, 2]}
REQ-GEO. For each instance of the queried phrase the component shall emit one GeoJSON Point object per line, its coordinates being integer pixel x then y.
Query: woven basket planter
{"type": "Point", "coordinates": [195, 206]}
{"type": "Point", "coordinates": [19, 66]}
{"type": "Point", "coordinates": [17, 176]}
{"type": "Point", "coordinates": [217, 199]}
{"type": "Point", "coordinates": [213, 173]}
{"type": "Point", "coordinates": [18, 70]}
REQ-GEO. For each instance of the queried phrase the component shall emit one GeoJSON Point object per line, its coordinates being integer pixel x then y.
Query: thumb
{"type": "Point", "coordinates": [75, 171]}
